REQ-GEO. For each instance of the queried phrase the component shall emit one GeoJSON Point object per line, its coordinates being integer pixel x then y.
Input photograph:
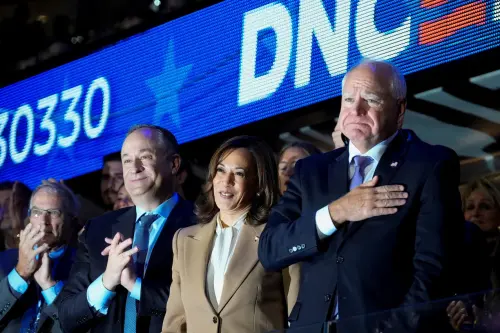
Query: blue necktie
{"type": "Point", "coordinates": [141, 240]}
{"type": "Point", "coordinates": [360, 163]}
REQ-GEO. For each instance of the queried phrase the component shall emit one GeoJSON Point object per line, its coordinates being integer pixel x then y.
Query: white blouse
{"type": "Point", "coordinates": [223, 247]}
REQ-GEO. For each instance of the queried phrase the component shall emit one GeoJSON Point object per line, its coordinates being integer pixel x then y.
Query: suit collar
{"type": "Point", "coordinates": [200, 243]}
{"type": "Point", "coordinates": [375, 152]}
{"type": "Point", "coordinates": [163, 210]}
{"type": "Point", "coordinates": [338, 182]}
{"type": "Point", "coordinates": [243, 261]}
{"type": "Point", "coordinates": [125, 224]}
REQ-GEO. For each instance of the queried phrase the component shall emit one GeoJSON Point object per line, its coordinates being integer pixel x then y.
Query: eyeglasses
{"type": "Point", "coordinates": [38, 212]}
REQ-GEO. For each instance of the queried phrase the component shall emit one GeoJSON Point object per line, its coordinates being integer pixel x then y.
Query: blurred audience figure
{"type": "Point", "coordinates": [181, 177]}
{"type": "Point", "coordinates": [111, 179]}
{"type": "Point", "coordinates": [338, 141]}
{"type": "Point", "coordinates": [217, 258]}
{"type": "Point", "coordinates": [14, 203]}
{"type": "Point", "coordinates": [481, 206]}
{"type": "Point", "coordinates": [123, 199]}
{"type": "Point", "coordinates": [32, 276]}
{"type": "Point", "coordinates": [289, 155]}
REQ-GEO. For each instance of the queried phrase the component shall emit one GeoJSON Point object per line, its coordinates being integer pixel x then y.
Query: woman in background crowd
{"type": "Point", "coordinates": [218, 283]}
{"type": "Point", "coordinates": [123, 199]}
{"type": "Point", "coordinates": [288, 156]}
{"type": "Point", "coordinates": [14, 203]}
{"type": "Point", "coordinates": [481, 206]}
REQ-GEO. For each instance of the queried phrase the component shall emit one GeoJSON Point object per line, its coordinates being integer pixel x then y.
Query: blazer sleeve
{"type": "Point", "coordinates": [439, 231]}
{"type": "Point", "coordinates": [175, 318]}
{"type": "Point", "coordinates": [8, 298]}
{"type": "Point", "coordinates": [75, 313]}
{"type": "Point", "coordinates": [288, 226]}
{"type": "Point", "coordinates": [291, 279]}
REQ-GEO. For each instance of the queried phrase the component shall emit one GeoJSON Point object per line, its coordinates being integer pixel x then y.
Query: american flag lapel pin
{"type": "Point", "coordinates": [394, 164]}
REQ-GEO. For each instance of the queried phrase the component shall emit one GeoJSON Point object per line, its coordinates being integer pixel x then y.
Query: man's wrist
{"type": "Point", "coordinates": [129, 285]}
{"type": "Point", "coordinates": [336, 214]}
{"type": "Point", "coordinates": [108, 285]}
{"type": "Point", "coordinates": [26, 277]}
{"type": "Point", "coordinates": [47, 284]}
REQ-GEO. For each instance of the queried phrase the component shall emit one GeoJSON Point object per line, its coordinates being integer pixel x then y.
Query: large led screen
{"type": "Point", "coordinates": [230, 64]}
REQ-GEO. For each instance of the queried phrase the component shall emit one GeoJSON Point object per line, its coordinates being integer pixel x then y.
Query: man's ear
{"type": "Point", "coordinates": [401, 112]}
{"type": "Point", "coordinates": [176, 163]}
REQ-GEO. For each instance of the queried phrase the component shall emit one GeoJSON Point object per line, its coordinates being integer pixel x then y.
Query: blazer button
{"type": "Point", "coordinates": [340, 260]}
{"type": "Point", "coordinates": [214, 319]}
{"type": "Point", "coordinates": [328, 298]}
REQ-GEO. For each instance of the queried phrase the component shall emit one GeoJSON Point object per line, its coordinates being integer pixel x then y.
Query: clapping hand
{"type": "Point", "coordinates": [127, 274]}
{"type": "Point", "coordinates": [28, 261]}
{"type": "Point", "coordinates": [118, 260]}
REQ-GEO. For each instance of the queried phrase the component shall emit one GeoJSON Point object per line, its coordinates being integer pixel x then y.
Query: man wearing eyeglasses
{"type": "Point", "coordinates": [33, 275]}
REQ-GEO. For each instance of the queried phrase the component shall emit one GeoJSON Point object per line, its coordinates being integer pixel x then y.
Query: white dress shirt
{"type": "Point", "coordinates": [324, 223]}
{"type": "Point", "coordinates": [224, 243]}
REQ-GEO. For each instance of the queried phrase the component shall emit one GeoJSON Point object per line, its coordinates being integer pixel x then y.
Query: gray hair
{"type": "Point", "coordinates": [398, 83]}
{"type": "Point", "coordinates": [168, 140]}
{"type": "Point", "coordinates": [70, 203]}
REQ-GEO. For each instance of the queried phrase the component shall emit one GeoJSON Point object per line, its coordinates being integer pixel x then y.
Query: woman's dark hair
{"type": "Point", "coordinates": [307, 147]}
{"type": "Point", "coordinates": [267, 193]}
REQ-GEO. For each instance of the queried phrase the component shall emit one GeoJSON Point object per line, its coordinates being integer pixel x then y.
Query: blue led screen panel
{"type": "Point", "coordinates": [228, 65]}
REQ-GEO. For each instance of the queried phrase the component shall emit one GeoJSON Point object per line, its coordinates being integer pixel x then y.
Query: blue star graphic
{"type": "Point", "coordinates": [59, 155]}
{"type": "Point", "coordinates": [167, 86]}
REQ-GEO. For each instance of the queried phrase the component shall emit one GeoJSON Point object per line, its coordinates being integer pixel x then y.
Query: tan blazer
{"type": "Point", "coordinates": [252, 299]}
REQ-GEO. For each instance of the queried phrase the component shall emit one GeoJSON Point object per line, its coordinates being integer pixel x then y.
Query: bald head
{"type": "Point", "coordinates": [373, 103]}
{"type": "Point", "coordinates": [386, 73]}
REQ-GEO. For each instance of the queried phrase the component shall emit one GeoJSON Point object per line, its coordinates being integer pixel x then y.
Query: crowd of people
{"type": "Point", "coordinates": [299, 239]}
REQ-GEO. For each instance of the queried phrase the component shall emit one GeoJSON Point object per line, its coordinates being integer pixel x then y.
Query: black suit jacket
{"type": "Point", "coordinates": [77, 315]}
{"type": "Point", "coordinates": [13, 305]}
{"type": "Point", "coordinates": [378, 264]}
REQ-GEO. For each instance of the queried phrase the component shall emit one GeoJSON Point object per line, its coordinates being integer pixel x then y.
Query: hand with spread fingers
{"type": "Point", "coordinates": [457, 313]}
{"type": "Point", "coordinates": [118, 259]}
{"type": "Point", "coordinates": [367, 200]}
{"type": "Point", "coordinates": [128, 276]}
{"type": "Point", "coordinates": [28, 262]}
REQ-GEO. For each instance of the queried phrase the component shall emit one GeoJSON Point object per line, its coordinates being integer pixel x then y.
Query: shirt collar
{"type": "Point", "coordinates": [57, 253]}
{"type": "Point", "coordinates": [163, 210]}
{"type": "Point", "coordinates": [237, 225]}
{"type": "Point", "coordinates": [375, 152]}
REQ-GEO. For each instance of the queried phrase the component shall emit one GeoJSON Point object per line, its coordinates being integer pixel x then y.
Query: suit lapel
{"type": "Point", "coordinates": [387, 168]}
{"type": "Point", "coordinates": [200, 245]}
{"type": "Point", "coordinates": [164, 241]}
{"type": "Point", "coordinates": [125, 224]}
{"type": "Point", "coordinates": [243, 261]}
{"type": "Point", "coordinates": [338, 176]}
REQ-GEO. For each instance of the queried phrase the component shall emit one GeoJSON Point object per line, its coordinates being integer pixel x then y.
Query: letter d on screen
{"type": "Point", "coordinates": [274, 16]}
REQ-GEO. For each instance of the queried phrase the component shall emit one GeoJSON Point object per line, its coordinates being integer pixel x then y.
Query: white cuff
{"type": "Point", "coordinates": [324, 223]}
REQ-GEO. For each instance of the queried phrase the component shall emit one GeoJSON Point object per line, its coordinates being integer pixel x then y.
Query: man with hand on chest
{"type": "Point", "coordinates": [122, 275]}
{"type": "Point", "coordinates": [375, 224]}
{"type": "Point", "coordinates": [29, 291]}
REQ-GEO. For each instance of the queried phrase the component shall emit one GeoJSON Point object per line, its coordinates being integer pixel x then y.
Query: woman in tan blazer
{"type": "Point", "coordinates": [218, 283]}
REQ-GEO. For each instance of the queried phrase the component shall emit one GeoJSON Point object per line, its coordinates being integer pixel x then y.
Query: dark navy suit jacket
{"type": "Point", "coordinates": [378, 264]}
{"type": "Point", "coordinates": [75, 312]}
{"type": "Point", "coordinates": [13, 305]}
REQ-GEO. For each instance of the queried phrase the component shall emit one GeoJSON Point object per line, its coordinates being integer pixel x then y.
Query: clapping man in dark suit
{"type": "Point", "coordinates": [374, 223]}
{"type": "Point", "coordinates": [121, 278]}
{"type": "Point", "coordinates": [33, 275]}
